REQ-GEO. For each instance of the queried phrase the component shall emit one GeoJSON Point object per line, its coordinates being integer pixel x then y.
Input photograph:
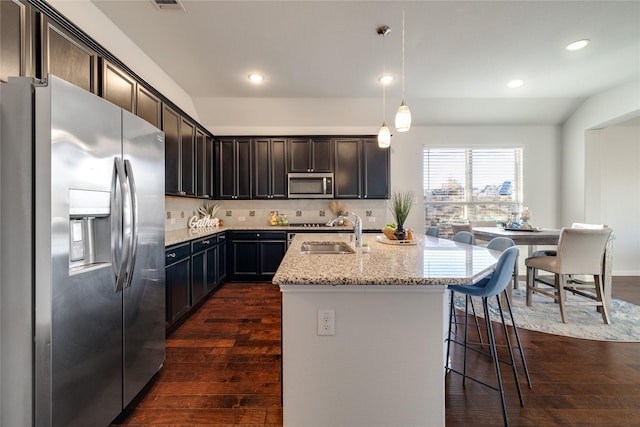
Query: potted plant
{"type": "Point", "coordinates": [400, 205]}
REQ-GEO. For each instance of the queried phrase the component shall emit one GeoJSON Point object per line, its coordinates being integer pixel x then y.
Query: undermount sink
{"type": "Point", "coordinates": [330, 248]}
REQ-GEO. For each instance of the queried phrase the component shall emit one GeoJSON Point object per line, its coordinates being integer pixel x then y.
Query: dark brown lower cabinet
{"type": "Point", "coordinates": [177, 281]}
{"type": "Point", "coordinates": [255, 255]}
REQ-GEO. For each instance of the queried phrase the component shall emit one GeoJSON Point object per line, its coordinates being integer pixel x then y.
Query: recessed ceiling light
{"type": "Point", "coordinates": [515, 83]}
{"type": "Point", "coordinates": [256, 78]}
{"type": "Point", "coordinates": [577, 45]}
{"type": "Point", "coordinates": [386, 79]}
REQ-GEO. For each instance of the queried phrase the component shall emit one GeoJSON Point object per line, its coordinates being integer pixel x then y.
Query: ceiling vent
{"type": "Point", "coordinates": [168, 4]}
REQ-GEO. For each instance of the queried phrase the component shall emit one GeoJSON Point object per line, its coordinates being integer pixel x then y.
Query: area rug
{"type": "Point", "coordinates": [583, 321]}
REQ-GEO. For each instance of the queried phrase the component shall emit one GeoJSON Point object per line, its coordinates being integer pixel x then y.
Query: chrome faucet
{"type": "Point", "coordinates": [357, 227]}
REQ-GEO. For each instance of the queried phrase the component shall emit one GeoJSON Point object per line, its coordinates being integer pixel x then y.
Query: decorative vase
{"type": "Point", "coordinates": [400, 233]}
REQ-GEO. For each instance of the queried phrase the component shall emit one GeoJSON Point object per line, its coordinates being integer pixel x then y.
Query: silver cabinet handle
{"type": "Point", "coordinates": [172, 255]}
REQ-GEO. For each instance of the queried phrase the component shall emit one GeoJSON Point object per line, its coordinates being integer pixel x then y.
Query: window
{"type": "Point", "coordinates": [471, 184]}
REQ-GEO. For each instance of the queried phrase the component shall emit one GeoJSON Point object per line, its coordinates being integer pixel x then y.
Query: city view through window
{"type": "Point", "coordinates": [462, 185]}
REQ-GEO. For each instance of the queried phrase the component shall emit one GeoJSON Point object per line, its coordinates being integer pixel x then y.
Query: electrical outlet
{"type": "Point", "coordinates": [372, 219]}
{"type": "Point", "coordinates": [326, 322]}
{"type": "Point", "coordinates": [172, 221]}
{"type": "Point", "coordinates": [241, 218]}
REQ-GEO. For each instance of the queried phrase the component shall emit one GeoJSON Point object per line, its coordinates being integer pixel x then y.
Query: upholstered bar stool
{"type": "Point", "coordinates": [491, 286]}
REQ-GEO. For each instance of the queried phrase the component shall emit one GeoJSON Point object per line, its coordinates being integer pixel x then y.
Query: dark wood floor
{"type": "Point", "coordinates": [223, 369]}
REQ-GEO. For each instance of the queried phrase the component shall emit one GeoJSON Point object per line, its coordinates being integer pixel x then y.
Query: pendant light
{"type": "Point", "coordinates": [403, 115]}
{"type": "Point", "coordinates": [384, 135]}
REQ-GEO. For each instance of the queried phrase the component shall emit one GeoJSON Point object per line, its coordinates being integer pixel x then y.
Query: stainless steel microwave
{"type": "Point", "coordinates": [310, 185]}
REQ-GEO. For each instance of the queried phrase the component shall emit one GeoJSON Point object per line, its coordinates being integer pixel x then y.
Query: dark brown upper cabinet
{"type": "Point", "coordinates": [16, 53]}
{"type": "Point", "coordinates": [204, 165]}
{"type": "Point", "coordinates": [376, 170]}
{"type": "Point", "coordinates": [118, 87]}
{"type": "Point", "coordinates": [310, 155]}
{"type": "Point", "coordinates": [171, 127]}
{"type": "Point", "coordinates": [234, 168]}
{"type": "Point", "coordinates": [361, 169]}
{"type": "Point", "coordinates": [270, 168]}
{"type": "Point", "coordinates": [347, 171]}
{"type": "Point", "coordinates": [149, 106]}
{"type": "Point", "coordinates": [187, 156]}
{"type": "Point", "coordinates": [63, 55]}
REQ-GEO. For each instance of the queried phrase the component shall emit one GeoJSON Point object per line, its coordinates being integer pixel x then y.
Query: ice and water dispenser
{"type": "Point", "coordinates": [89, 229]}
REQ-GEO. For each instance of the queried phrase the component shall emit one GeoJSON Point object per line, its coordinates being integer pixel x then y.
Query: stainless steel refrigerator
{"type": "Point", "coordinates": [82, 255]}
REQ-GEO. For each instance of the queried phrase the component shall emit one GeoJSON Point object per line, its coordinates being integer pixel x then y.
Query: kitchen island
{"type": "Point", "coordinates": [384, 364]}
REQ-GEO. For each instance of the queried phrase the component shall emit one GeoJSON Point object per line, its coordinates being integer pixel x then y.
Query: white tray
{"type": "Point", "coordinates": [383, 239]}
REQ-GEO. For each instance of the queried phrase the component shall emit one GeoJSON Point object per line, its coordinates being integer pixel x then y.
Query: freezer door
{"type": "Point", "coordinates": [78, 313]}
{"type": "Point", "coordinates": [144, 292]}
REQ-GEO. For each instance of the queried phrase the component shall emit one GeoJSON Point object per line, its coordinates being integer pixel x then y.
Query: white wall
{"type": "Point", "coordinates": [612, 191]}
{"type": "Point", "coordinates": [604, 109]}
{"type": "Point", "coordinates": [84, 14]}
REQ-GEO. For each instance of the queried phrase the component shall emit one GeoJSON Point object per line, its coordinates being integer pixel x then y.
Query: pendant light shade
{"type": "Point", "coordinates": [384, 136]}
{"type": "Point", "coordinates": [403, 115]}
{"type": "Point", "coordinates": [403, 118]}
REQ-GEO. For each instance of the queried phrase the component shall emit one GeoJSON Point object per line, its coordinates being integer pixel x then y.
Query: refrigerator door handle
{"type": "Point", "coordinates": [122, 226]}
{"type": "Point", "coordinates": [134, 221]}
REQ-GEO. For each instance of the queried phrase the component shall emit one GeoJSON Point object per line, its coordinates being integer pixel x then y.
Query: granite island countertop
{"type": "Point", "coordinates": [433, 261]}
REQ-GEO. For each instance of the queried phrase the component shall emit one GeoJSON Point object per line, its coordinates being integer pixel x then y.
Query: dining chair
{"type": "Point", "coordinates": [464, 237]}
{"type": "Point", "coordinates": [433, 231]}
{"type": "Point", "coordinates": [456, 227]}
{"type": "Point", "coordinates": [580, 252]}
{"type": "Point", "coordinates": [486, 288]}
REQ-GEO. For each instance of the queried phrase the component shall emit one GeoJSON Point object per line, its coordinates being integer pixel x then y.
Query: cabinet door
{"type": "Point", "coordinates": [118, 87]}
{"type": "Point", "coordinates": [68, 58]}
{"type": "Point", "coordinates": [187, 153]}
{"type": "Point", "coordinates": [347, 170]}
{"type": "Point", "coordinates": [299, 155]}
{"type": "Point", "coordinates": [226, 169]}
{"type": "Point", "coordinates": [15, 39]}
{"type": "Point", "coordinates": [148, 106]}
{"type": "Point", "coordinates": [244, 256]}
{"type": "Point", "coordinates": [278, 169]}
{"type": "Point", "coordinates": [262, 168]}
{"type": "Point", "coordinates": [177, 282]}
{"type": "Point", "coordinates": [322, 155]}
{"type": "Point", "coordinates": [171, 128]}
{"type": "Point", "coordinates": [376, 172]}
{"type": "Point", "coordinates": [271, 254]}
{"type": "Point", "coordinates": [243, 168]}
{"type": "Point", "coordinates": [212, 269]}
{"type": "Point", "coordinates": [210, 167]}
{"type": "Point", "coordinates": [201, 164]}
{"type": "Point", "coordinates": [198, 276]}
{"type": "Point", "coordinates": [222, 259]}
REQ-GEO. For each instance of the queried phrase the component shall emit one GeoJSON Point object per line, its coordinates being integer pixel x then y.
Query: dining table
{"type": "Point", "coordinates": [529, 237]}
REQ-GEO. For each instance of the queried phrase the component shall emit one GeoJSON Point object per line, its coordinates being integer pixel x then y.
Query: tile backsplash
{"type": "Point", "coordinates": [256, 212]}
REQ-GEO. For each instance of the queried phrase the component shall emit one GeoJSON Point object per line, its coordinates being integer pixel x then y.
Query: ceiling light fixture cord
{"type": "Point", "coordinates": [384, 135]}
{"type": "Point", "coordinates": [403, 115]}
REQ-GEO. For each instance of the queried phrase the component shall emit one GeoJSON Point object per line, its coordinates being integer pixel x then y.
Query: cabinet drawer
{"type": "Point", "coordinates": [177, 253]}
{"type": "Point", "coordinates": [258, 235]}
{"type": "Point", "coordinates": [202, 244]}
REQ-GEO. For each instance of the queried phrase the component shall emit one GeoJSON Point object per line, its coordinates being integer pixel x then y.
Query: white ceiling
{"type": "Point", "coordinates": [459, 56]}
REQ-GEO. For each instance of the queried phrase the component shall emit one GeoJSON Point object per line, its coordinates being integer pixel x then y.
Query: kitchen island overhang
{"type": "Point", "coordinates": [385, 363]}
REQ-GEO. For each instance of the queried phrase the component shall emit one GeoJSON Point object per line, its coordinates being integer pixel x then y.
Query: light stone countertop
{"type": "Point", "coordinates": [433, 261]}
{"type": "Point", "coordinates": [185, 234]}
